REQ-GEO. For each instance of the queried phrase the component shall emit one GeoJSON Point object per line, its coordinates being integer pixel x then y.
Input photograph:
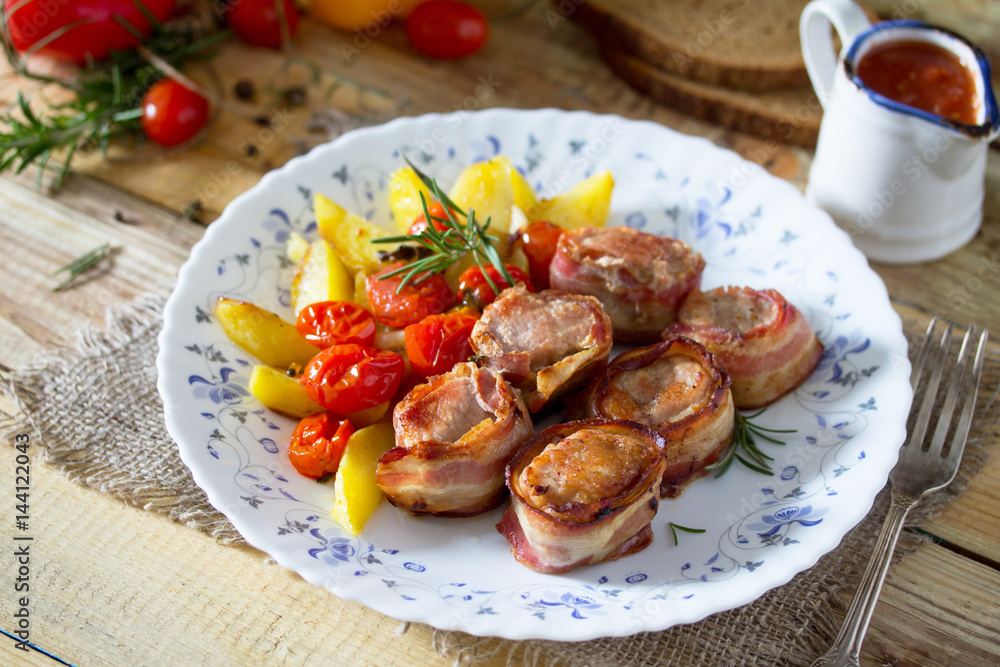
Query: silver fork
{"type": "Point", "coordinates": [924, 465]}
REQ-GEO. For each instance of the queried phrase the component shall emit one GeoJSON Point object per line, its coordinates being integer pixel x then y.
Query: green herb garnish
{"type": "Point", "coordinates": [675, 527]}
{"type": "Point", "coordinates": [449, 245]}
{"type": "Point", "coordinates": [82, 264]}
{"type": "Point", "coordinates": [106, 102]}
{"type": "Point", "coordinates": [744, 438]}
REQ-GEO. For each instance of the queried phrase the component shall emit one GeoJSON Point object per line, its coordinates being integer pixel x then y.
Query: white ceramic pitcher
{"type": "Point", "coordinates": [907, 185]}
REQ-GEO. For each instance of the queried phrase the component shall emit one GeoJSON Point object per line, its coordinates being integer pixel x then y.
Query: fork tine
{"type": "Point", "coordinates": [925, 346]}
{"type": "Point", "coordinates": [930, 388]}
{"type": "Point", "coordinates": [957, 387]}
{"type": "Point", "coordinates": [970, 390]}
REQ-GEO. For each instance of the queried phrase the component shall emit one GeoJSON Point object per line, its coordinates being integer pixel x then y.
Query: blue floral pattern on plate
{"type": "Point", "coordinates": [458, 573]}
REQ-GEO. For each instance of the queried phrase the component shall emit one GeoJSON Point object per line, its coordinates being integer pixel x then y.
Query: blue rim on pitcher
{"type": "Point", "coordinates": [991, 117]}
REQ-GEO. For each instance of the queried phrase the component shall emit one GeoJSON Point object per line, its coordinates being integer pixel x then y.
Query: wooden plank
{"type": "Point", "coordinates": [936, 609]}
{"type": "Point", "coordinates": [134, 588]}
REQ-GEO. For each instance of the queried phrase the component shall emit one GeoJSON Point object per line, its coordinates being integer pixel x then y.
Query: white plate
{"type": "Point", "coordinates": [752, 229]}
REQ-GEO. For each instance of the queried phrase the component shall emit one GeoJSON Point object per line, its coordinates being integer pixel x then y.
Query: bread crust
{"type": "Point", "coordinates": [622, 26]}
{"type": "Point", "coordinates": [787, 116]}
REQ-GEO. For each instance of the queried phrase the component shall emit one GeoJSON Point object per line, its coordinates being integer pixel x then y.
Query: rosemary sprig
{"type": "Point", "coordinates": [82, 264]}
{"type": "Point", "coordinates": [106, 102]}
{"type": "Point", "coordinates": [449, 245]}
{"type": "Point", "coordinates": [674, 527]}
{"type": "Point", "coordinates": [745, 434]}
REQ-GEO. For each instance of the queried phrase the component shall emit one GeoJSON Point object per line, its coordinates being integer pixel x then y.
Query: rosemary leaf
{"type": "Point", "coordinates": [82, 264]}
{"type": "Point", "coordinates": [745, 434]}
{"type": "Point", "coordinates": [450, 245]}
{"type": "Point", "coordinates": [674, 527]}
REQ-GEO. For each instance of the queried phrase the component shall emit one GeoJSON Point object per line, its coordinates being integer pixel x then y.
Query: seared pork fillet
{"type": "Point", "coordinates": [640, 279]}
{"type": "Point", "coordinates": [454, 437]}
{"type": "Point", "coordinates": [583, 492]}
{"type": "Point", "coordinates": [676, 389]}
{"type": "Point", "coordinates": [759, 338]}
{"type": "Point", "coordinates": [545, 344]}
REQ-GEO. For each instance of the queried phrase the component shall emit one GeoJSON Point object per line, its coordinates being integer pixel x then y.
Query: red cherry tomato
{"type": "Point", "coordinates": [476, 291]}
{"type": "Point", "coordinates": [334, 322]}
{"type": "Point", "coordinates": [318, 444]}
{"type": "Point", "coordinates": [257, 23]}
{"type": "Point", "coordinates": [447, 29]}
{"type": "Point", "coordinates": [173, 113]}
{"type": "Point", "coordinates": [90, 27]}
{"type": "Point", "coordinates": [438, 342]}
{"type": "Point", "coordinates": [538, 241]}
{"type": "Point", "coordinates": [413, 303]}
{"type": "Point", "coordinates": [348, 378]}
{"type": "Point", "coordinates": [436, 209]}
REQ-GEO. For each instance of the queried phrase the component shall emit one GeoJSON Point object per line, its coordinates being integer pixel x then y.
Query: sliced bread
{"type": "Point", "coordinates": [743, 44]}
{"type": "Point", "coordinates": [789, 116]}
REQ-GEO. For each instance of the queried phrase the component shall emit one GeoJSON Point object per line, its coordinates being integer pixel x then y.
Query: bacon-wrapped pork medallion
{"type": "Point", "coordinates": [640, 279]}
{"type": "Point", "coordinates": [454, 437]}
{"type": "Point", "coordinates": [583, 492]}
{"type": "Point", "coordinates": [761, 340]}
{"type": "Point", "coordinates": [545, 344]}
{"type": "Point", "coordinates": [675, 388]}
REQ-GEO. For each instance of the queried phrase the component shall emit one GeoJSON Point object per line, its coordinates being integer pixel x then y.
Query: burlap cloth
{"type": "Point", "coordinates": [99, 420]}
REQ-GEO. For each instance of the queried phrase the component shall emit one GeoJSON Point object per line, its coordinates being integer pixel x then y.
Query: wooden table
{"type": "Point", "coordinates": [117, 585]}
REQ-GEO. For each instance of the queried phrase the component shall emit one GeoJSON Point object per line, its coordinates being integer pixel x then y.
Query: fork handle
{"type": "Point", "coordinates": [847, 646]}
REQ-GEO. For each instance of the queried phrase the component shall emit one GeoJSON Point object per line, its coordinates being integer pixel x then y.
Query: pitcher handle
{"type": "Point", "coordinates": [848, 19]}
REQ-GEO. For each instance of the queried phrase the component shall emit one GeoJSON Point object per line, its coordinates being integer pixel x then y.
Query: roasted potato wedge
{"type": "Point", "coordinates": [296, 247]}
{"type": "Point", "coordinates": [351, 235]}
{"type": "Point", "coordinates": [524, 195]}
{"type": "Point", "coordinates": [584, 205]}
{"type": "Point", "coordinates": [281, 393]}
{"type": "Point", "coordinates": [321, 276]}
{"type": "Point", "coordinates": [263, 334]}
{"type": "Point", "coordinates": [404, 198]}
{"type": "Point", "coordinates": [486, 188]}
{"type": "Point", "coordinates": [355, 493]}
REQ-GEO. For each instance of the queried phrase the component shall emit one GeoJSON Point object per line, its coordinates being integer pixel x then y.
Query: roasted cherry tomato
{"type": "Point", "coordinates": [447, 29]}
{"type": "Point", "coordinates": [318, 444]}
{"type": "Point", "coordinates": [88, 27]}
{"type": "Point", "coordinates": [438, 342]}
{"type": "Point", "coordinates": [334, 322]}
{"type": "Point", "coordinates": [257, 23]}
{"type": "Point", "coordinates": [476, 291]}
{"type": "Point", "coordinates": [436, 209]}
{"type": "Point", "coordinates": [424, 295]}
{"type": "Point", "coordinates": [173, 113]}
{"type": "Point", "coordinates": [538, 241]}
{"type": "Point", "coordinates": [350, 377]}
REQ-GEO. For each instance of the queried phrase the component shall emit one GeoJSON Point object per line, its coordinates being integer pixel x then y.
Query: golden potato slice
{"type": "Point", "coordinates": [296, 247]}
{"type": "Point", "coordinates": [355, 493]}
{"type": "Point", "coordinates": [321, 276]}
{"type": "Point", "coordinates": [585, 205]}
{"type": "Point", "coordinates": [282, 393]}
{"type": "Point", "coordinates": [524, 194]}
{"type": "Point", "coordinates": [404, 198]}
{"type": "Point", "coordinates": [486, 188]}
{"type": "Point", "coordinates": [263, 334]}
{"type": "Point", "coordinates": [351, 235]}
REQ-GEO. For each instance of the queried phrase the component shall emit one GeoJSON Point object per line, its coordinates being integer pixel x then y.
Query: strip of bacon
{"type": "Point", "coordinates": [640, 279]}
{"type": "Point", "coordinates": [454, 437]}
{"type": "Point", "coordinates": [678, 390]}
{"type": "Point", "coordinates": [583, 492]}
{"type": "Point", "coordinates": [757, 336]}
{"type": "Point", "coordinates": [545, 343]}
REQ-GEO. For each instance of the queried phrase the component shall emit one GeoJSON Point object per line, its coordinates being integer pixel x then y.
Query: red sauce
{"type": "Point", "coordinates": [924, 76]}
